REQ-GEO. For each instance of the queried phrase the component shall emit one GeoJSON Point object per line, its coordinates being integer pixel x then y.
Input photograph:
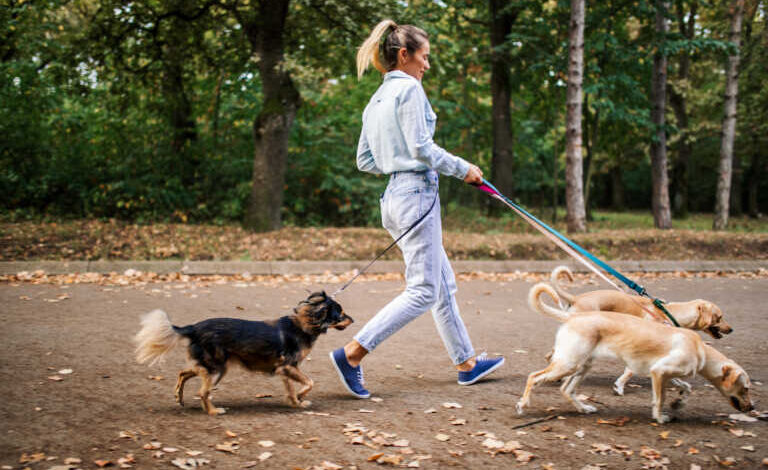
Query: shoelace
{"type": "Point", "coordinates": [360, 375]}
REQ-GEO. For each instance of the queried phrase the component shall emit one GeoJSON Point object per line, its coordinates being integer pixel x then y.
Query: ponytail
{"type": "Point", "coordinates": [410, 37]}
{"type": "Point", "coordinates": [369, 51]}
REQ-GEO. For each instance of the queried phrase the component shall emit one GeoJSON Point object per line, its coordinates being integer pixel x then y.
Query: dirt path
{"type": "Point", "coordinates": [47, 329]}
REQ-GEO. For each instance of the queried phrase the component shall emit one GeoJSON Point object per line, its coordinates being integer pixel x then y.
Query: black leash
{"type": "Point", "coordinates": [437, 193]}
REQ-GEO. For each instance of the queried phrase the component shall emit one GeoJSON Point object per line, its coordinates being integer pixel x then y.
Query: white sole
{"type": "Point", "coordinates": [341, 376]}
{"type": "Point", "coordinates": [498, 364]}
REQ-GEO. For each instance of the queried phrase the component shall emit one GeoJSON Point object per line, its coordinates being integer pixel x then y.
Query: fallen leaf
{"type": "Point", "coordinates": [264, 456]}
{"type": "Point", "coordinates": [158, 454]}
{"type": "Point", "coordinates": [401, 443]}
{"type": "Point", "coordinates": [678, 443]}
{"type": "Point", "coordinates": [73, 460]}
{"type": "Point", "coordinates": [456, 453]}
{"type": "Point", "coordinates": [621, 421]}
{"type": "Point", "coordinates": [188, 463]}
{"type": "Point", "coordinates": [580, 434]}
{"type": "Point", "coordinates": [392, 459]}
{"type": "Point", "coordinates": [413, 464]}
{"type": "Point", "coordinates": [55, 378]}
{"type": "Point", "coordinates": [748, 448]}
{"type": "Point", "coordinates": [491, 443]}
{"type": "Point", "coordinates": [363, 410]}
{"type": "Point", "coordinates": [451, 405]}
{"type": "Point", "coordinates": [742, 417]}
{"type": "Point", "coordinates": [65, 371]}
{"type": "Point", "coordinates": [263, 395]}
{"type": "Point", "coordinates": [126, 435]}
{"type": "Point", "coordinates": [430, 410]}
{"type": "Point", "coordinates": [194, 453]}
{"type": "Point", "coordinates": [230, 447]}
{"type": "Point", "coordinates": [376, 399]}
{"type": "Point", "coordinates": [726, 462]}
{"type": "Point", "coordinates": [442, 437]}
{"type": "Point", "coordinates": [736, 432]}
{"type": "Point", "coordinates": [459, 422]}
{"type": "Point", "coordinates": [664, 434]}
{"type": "Point", "coordinates": [103, 463]}
{"type": "Point", "coordinates": [692, 451]}
{"type": "Point", "coordinates": [374, 457]}
{"type": "Point", "coordinates": [230, 433]}
{"type": "Point", "coordinates": [154, 445]}
{"type": "Point", "coordinates": [266, 443]}
{"type": "Point", "coordinates": [170, 450]}
{"type": "Point", "coordinates": [155, 377]}
{"type": "Point", "coordinates": [524, 456]}
{"type": "Point", "coordinates": [32, 458]}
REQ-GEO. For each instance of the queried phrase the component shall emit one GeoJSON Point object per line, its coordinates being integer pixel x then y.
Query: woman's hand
{"type": "Point", "coordinates": [474, 175]}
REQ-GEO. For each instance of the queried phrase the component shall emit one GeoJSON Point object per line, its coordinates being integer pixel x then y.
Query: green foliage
{"type": "Point", "coordinates": [146, 112]}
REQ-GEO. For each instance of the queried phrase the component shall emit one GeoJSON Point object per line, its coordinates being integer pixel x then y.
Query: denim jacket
{"type": "Point", "coordinates": [398, 125]}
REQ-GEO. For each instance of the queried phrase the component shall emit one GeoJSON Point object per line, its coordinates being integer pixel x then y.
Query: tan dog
{"type": "Point", "coordinates": [695, 315]}
{"type": "Point", "coordinates": [648, 348]}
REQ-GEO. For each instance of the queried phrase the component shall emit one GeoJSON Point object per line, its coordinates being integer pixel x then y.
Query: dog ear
{"type": "Point", "coordinates": [730, 374]}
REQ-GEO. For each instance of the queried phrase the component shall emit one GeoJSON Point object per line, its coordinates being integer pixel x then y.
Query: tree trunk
{"type": "Point", "coordinates": [272, 127]}
{"type": "Point", "coordinates": [660, 181]}
{"type": "Point", "coordinates": [617, 188]}
{"type": "Point", "coordinates": [754, 178]}
{"type": "Point", "coordinates": [502, 159]}
{"type": "Point", "coordinates": [574, 195]}
{"type": "Point", "coordinates": [722, 200]}
{"type": "Point", "coordinates": [677, 99]}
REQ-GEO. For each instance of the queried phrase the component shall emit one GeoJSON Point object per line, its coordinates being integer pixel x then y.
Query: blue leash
{"type": "Point", "coordinates": [491, 189]}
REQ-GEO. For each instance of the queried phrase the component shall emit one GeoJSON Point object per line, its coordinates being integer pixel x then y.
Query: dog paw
{"type": "Point", "coordinates": [618, 390]}
{"type": "Point", "coordinates": [663, 418]}
{"type": "Point", "coordinates": [519, 408]}
{"type": "Point", "coordinates": [305, 404]}
{"type": "Point", "coordinates": [588, 409]}
{"type": "Point", "coordinates": [216, 411]}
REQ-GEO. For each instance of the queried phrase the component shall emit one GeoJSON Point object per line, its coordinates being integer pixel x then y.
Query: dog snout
{"type": "Point", "coordinates": [725, 328]}
{"type": "Point", "coordinates": [343, 322]}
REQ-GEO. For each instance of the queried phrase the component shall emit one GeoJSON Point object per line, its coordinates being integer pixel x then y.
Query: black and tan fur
{"type": "Point", "coordinates": [273, 347]}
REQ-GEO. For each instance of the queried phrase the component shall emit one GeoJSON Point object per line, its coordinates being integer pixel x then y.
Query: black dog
{"type": "Point", "coordinates": [274, 347]}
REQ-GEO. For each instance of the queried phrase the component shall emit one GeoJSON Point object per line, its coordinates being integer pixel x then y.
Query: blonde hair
{"type": "Point", "coordinates": [407, 36]}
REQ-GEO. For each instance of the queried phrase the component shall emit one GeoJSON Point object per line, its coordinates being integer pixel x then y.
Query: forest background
{"type": "Point", "coordinates": [153, 112]}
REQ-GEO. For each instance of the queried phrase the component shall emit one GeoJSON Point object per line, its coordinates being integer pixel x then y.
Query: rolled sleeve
{"type": "Point", "coordinates": [365, 160]}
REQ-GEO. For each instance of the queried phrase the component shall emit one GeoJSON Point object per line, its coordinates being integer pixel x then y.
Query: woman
{"type": "Point", "coordinates": [398, 125]}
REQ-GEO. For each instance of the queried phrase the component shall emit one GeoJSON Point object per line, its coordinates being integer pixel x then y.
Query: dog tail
{"type": "Point", "coordinates": [534, 300]}
{"type": "Point", "coordinates": [554, 278]}
{"type": "Point", "coordinates": [156, 338]}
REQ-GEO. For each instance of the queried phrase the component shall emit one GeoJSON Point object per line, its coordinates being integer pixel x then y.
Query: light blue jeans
{"type": "Point", "coordinates": [430, 283]}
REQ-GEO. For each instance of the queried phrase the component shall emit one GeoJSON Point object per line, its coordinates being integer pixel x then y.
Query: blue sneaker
{"type": "Point", "coordinates": [351, 377]}
{"type": "Point", "coordinates": [483, 367]}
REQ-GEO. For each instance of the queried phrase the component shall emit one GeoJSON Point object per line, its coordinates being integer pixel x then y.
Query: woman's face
{"type": "Point", "coordinates": [414, 64]}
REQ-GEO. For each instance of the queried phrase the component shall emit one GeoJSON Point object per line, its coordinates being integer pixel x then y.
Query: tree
{"type": "Point", "coordinates": [574, 195]}
{"type": "Point", "coordinates": [502, 18]}
{"type": "Point", "coordinates": [660, 179]}
{"type": "Point", "coordinates": [722, 200]}
{"type": "Point", "coordinates": [678, 101]}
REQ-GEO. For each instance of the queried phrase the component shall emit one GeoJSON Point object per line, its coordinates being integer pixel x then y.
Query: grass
{"type": "Point", "coordinates": [462, 219]}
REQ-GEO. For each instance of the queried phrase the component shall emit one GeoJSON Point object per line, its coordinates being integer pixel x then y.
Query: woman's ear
{"type": "Point", "coordinates": [402, 56]}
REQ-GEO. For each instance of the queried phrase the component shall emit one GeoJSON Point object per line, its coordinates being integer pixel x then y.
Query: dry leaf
{"type": "Point", "coordinates": [376, 399]}
{"type": "Point", "coordinates": [442, 437]}
{"type": "Point", "coordinates": [375, 457]}
{"type": "Point", "coordinates": [65, 371]}
{"type": "Point", "coordinates": [748, 448]}
{"type": "Point", "coordinates": [392, 459]}
{"type": "Point", "coordinates": [103, 463]}
{"type": "Point", "coordinates": [491, 443]}
{"type": "Point", "coordinates": [413, 464]}
{"type": "Point", "coordinates": [580, 434]}
{"type": "Point", "coordinates": [230, 433]}
{"type": "Point", "coordinates": [742, 417]}
{"type": "Point", "coordinates": [55, 378]}
{"type": "Point", "coordinates": [621, 421]}
{"type": "Point", "coordinates": [170, 450]}
{"type": "Point", "coordinates": [664, 434]}
{"type": "Point", "coordinates": [678, 443]}
{"type": "Point", "coordinates": [230, 447]}
{"type": "Point", "coordinates": [736, 432]}
{"type": "Point", "coordinates": [600, 448]}
{"type": "Point", "coordinates": [451, 405]}
{"type": "Point", "coordinates": [154, 445]}
{"type": "Point", "coordinates": [264, 456]}
{"type": "Point", "coordinates": [524, 456]}
{"type": "Point", "coordinates": [401, 443]}
{"type": "Point", "coordinates": [363, 410]}
{"type": "Point", "coordinates": [31, 458]}
{"type": "Point", "coordinates": [430, 410]}
{"type": "Point", "coordinates": [266, 443]}
{"type": "Point", "coordinates": [692, 451]}
{"type": "Point", "coordinates": [726, 462]}
{"type": "Point", "coordinates": [459, 422]}
{"type": "Point", "coordinates": [72, 461]}
{"type": "Point", "coordinates": [194, 453]}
